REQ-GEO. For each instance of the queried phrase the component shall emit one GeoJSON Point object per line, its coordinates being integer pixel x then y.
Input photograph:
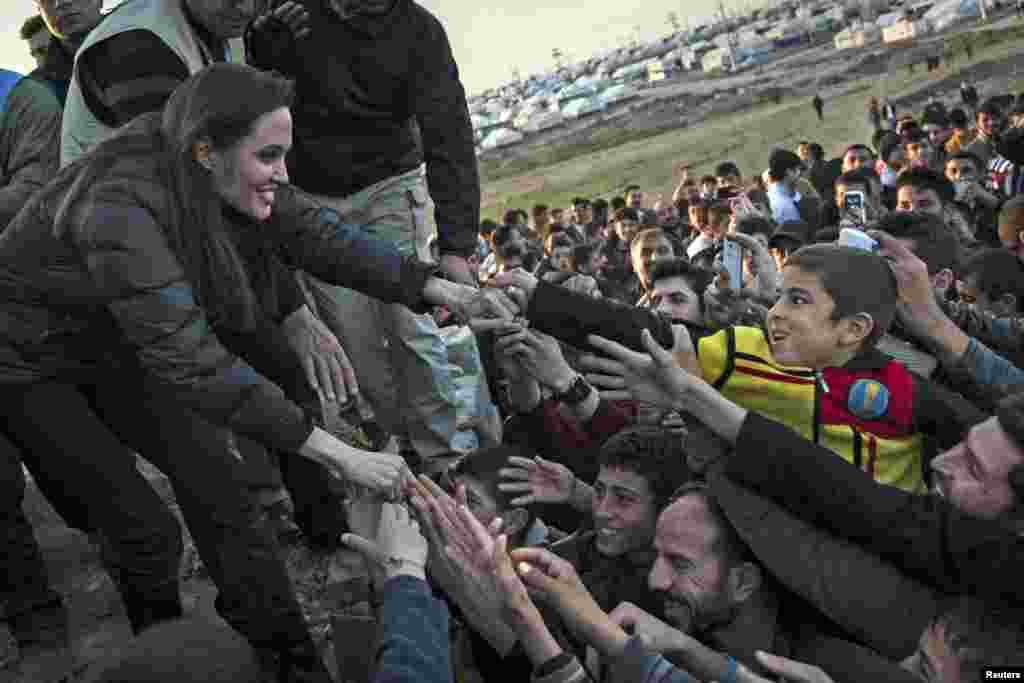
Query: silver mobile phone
{"type": "Point", "coordinates": [731, 256]}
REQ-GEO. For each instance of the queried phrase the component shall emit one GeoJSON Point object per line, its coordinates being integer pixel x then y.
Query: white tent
{"type": "Point", "coordinates": [949, 12]}
{"type": "Point", "coordinates": [583, 106]}
{"type": "Point", "coordinates": [502, 137]}
{"type": "Point", "coordinates": [543, 121]}
{"type": "Point", "coordinates": [618, 93]}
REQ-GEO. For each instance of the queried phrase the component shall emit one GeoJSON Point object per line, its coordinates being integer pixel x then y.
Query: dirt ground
{"type": "Point", "coordinates": [327, 585]}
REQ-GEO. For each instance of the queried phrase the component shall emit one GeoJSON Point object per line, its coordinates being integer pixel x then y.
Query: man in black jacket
{"type": "Point", "coordinates": [378, 101]}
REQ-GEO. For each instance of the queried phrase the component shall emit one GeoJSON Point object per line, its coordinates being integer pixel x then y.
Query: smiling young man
{"type": "Point", "coordinates": [640, 468]}
{"type": "Point", "coordinates": [987, 121]}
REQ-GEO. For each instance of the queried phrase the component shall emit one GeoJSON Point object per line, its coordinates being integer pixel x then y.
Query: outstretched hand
{"type": "Point", "coordinates": [328, 370]}
{"type": "Point", "coordinates": [397, 546]}
{"type": "Point", "coordinates": [917, 305]}
{"type": "Point", "coordinates": [536, 481]}
{"type": "Point", "coordinates": [655, 378]}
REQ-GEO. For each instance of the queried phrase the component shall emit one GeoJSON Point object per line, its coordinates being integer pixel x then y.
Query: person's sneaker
{"type": "Point", "coordinates": [281, 523]}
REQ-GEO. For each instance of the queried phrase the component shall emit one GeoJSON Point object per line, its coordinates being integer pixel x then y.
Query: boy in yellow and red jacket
{"type": "Point", "coordinates": [814, 368]}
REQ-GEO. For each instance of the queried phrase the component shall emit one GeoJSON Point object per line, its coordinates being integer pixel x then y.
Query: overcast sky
{"type": "Point", "coordinates": [489, 37]}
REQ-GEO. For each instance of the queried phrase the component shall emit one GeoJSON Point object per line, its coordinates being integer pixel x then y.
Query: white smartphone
{"type": "Point", "coordinates": [731, 256]}
{"type": "Point", "coordinates": [858, 239]}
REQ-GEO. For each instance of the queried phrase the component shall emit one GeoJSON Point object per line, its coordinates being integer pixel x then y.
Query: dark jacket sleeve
{"type": "Point", "coordinates": [439, 105]}
{"type": "Point", "coordinates": [314, 238]}
{"type": "Point", "coordinates": [30, 140]}
{"type": "Point", "coordinates": [414, 635]}
{"type": "Point", "coordinates": [152, 301]}
{"type": "Point", "coordinates": [922, 535]}
{"type": "Point", "coordinates": [570, 316]}
{"type": "Point", "coordinates": [942, 414]}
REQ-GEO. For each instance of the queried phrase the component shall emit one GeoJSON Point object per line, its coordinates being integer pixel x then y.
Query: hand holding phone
{"type": "Point", "coordinates": [854, 207]}
{"type": "Point", "coordinates": [731, 258]}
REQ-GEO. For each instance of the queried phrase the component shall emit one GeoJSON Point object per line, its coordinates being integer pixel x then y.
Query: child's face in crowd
{"type": "Point", "coordinates": [972, 295]}
{"type": "Point", "coordinates": [986, 124]}
{"type": "Point", "coordinates": [920, 152]}
{"type": "Point", "coordinates": [513, 250]}
{"type": "Point", "coordinates": [800, 326]}
{"type": "Point", "coordinates": [561, 258]}
{"type": "Point", "coordinates": [673, 297]}
{"type": "Point", "coordinates": [626, 229]}
{"type": "Point", "coordinates": [958, 170]}
{"type": "Point", "coordinates": [624, 512]}
{"type": "Point", "coordinates": [479, 500]}
{"type": "Point", "coordinates": [856, 158]}
{"type": "Point", "coordinates": [909, 198]}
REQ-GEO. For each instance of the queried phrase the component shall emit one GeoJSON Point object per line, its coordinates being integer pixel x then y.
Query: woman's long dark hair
{"type": "Point", "coordinates": [219, 105]}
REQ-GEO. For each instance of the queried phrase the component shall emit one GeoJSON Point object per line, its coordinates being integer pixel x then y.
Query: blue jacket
{"type": "Point", "coordinates": [414, 635]}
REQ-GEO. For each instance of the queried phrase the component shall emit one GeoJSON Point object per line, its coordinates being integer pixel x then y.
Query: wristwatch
{"type": "Point", "coordinates": [577, 393]}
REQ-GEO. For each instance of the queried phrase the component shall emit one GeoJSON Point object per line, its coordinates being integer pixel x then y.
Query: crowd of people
{"type": "Point", "coordinates": [770, 428]}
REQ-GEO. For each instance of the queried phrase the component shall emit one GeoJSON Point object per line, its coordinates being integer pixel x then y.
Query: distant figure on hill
{"type": "Point", "coordinates": [819, 106]}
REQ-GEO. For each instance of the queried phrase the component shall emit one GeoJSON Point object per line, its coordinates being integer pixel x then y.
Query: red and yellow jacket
{"type": "Point", "coordinates": [873, 412]}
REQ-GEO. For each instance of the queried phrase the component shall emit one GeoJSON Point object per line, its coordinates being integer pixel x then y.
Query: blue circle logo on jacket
{"type": "Point", "coordinates": [868, 399]}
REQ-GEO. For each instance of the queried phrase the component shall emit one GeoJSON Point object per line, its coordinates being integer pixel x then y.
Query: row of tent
{"type": "Point", "coordinates": [896, 27]}
{"type": "Point", "coordinates": [543, 113]}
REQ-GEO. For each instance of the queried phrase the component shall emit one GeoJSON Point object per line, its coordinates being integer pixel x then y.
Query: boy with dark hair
{"type": "Point", "coordinates": [923, 190]}
{"type": "Point", "coordinates": [962, 134]}
{"type": "Point", "coordinates": [967, 174]}
{"type": "Point", "coordinates": [814, 367]}
{"type": "Point", "coordinates": [728, 174]}
{"type": "Point", "coordinates": [987, 123]}
{"type": "Point", "coordinates": [919, 149]}
{"type": "Point", "coordinates": [541, 218]}
{"type": "Point", "coordinates": [785, 240]}
{"type": "Point", "coordinates": [992, 283]}
{"type": "Point", "coordinates": [640, 468]}
{"type": "Point", "coordinates": [479, 473]}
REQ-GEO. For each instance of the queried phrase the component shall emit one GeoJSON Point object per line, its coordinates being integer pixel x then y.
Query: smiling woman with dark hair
{"type": "Point", "coordinates": [114, 282]}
